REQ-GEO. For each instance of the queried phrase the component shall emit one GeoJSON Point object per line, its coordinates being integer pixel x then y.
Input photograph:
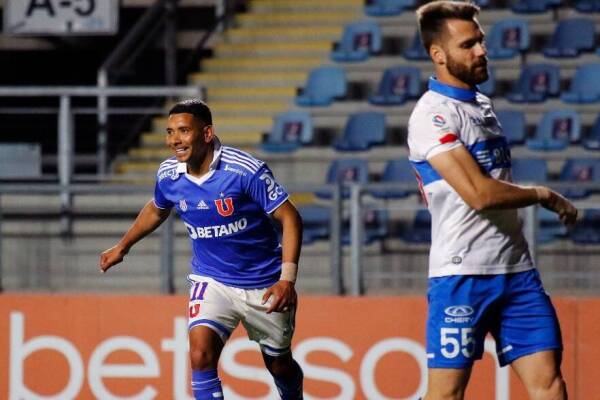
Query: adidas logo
{"type": "Point", "coordinates": [202, 205]}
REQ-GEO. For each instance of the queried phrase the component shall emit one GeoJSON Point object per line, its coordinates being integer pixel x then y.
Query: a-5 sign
{"type": "Point", "coordinates": [61, 17]}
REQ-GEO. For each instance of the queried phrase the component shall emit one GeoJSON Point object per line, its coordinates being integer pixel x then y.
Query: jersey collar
{"type": "Point", "coordinates": [182, 167]}
{"type": "Point", "coordinates": [451, 91]}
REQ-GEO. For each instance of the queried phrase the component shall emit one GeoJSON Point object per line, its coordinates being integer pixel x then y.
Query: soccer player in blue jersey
{"type": "Point", "coordinates": [481, 276]}
{"type": "Point", "coordinates": [239, 271]}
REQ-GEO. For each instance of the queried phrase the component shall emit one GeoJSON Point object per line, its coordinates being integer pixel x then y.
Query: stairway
{"type": "Point", "coordinates": [255, 72]}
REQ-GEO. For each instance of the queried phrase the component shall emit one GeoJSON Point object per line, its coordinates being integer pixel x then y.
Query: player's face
{"type": "Point", "coordinates": [187, 137]}
{"type": "Point", "coordinates": [466, 55]}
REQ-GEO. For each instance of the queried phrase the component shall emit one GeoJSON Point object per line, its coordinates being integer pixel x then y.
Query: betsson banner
{"type": "Point", "coordinates": [111, 347]}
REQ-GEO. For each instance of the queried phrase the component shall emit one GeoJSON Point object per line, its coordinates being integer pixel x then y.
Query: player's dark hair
{"type": "Point", "coordinates": [432, 18]}
{"type": "Point", "coordinates": [196, 107]}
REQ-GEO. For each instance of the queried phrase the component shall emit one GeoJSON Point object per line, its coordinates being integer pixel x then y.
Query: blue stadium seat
{"type": "Point", "coordinates": [489, 87]}
{"type": "Point", "coordinates": [345, 171]}
{"type": "Point", "coordinates": [585, 85]}
{"type": "Point", "coordinates": [533, 6]}
{"type": "Point", "coordinates": [397, 85]}
{"type": "Point", "coordinates": [536, 83]}
{"type": "Point", "coordinates": [416, 51]}
{"type": "Point", "coordinates": [291, 130]}
{"type": "Point", "coordinates": [483, 3]}
{"type": "Point", "coordinates": [508, 38]}
{"type": "Point", "coordinates": [513, 125]}
{"type": "Point", "coordinates": [362, 130]}
{"type": "Point", "coordinates": [324, 84]}
{"type": "Point", "coordinates": [587, 230]}
{"type": "Point", "coordinates": [375, 223]}
{"type": "Point", "coordinates": [587, 6]}
{"type": "Point", "coordinates": [315, 222]}
{"type": "Point", "coordinates": [556, 130]}
{"type": "Point", "coordinates": [571, 37]}
{"type": "Point", "coordinates": [384, 8]}
{"type": "Point", "coordinates": [397, 171]}
{"type": "Point", "coordinates": [529, 170]}
{"type": "Point", "coordinates": [580, 170]}
{"type": "Point", "coordinates": [550, 226]}
{"type": "Point", "coordinates": [359, 40]}
{"type": "Point", "coordinates": [420, 229]}
{"type": "Point", "coordinates": [592, 141]}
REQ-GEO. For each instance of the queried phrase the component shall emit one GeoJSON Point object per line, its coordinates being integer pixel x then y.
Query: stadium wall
{"type": "Point", "coordinates": [109, 347]}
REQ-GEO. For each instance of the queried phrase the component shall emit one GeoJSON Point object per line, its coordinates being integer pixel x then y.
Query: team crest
{"type": "Point", "coordinates": [224, 206]}
{"type": "Point", "coordinates": [182, 205]}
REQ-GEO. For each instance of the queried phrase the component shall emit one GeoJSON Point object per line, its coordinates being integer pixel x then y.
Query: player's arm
{"type": "Point", "coordinates": [149, 218]}
{"type": "Point", "coordinates": [284, 292]}
{"type": "Point", "coordinates": [481, 192]}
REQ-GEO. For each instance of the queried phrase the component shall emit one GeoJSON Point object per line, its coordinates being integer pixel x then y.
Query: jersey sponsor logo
{"type": "Point", "coordinates": [234, 170]}
{"type": "Point", "coordinates": [183, 205]}
{"type": "Point", "coordinates": [227, 209]}
{"type": "Point", "coordinates": [202, 205]}
{"type": "Point", "coordinates": [273, 189]}
{"type": "Point", "coordinates": [458, 314]}
{"type": "Point", "coordinates": [216, 231]}
{"type": "Point", "coordinates": [168, 173]}
{"type": "Point", "coordinates": [456, 260]}
{"type": "Point", "coordinates": [438, 120]}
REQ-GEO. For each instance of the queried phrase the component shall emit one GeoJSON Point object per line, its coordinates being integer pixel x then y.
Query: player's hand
{"type": "Point", "coordinates": [283, 295]}
{"type": "Point", "coordinates": [555, 202]}
{"type": "Point", "coordinates": [110, 257]}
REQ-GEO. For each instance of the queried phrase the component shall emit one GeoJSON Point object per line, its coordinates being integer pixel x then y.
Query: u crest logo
{"type": "Point", "coordinates": [224, 210]}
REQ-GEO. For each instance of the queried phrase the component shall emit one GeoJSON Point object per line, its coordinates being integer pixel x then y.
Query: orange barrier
{"type": "Point", "coordinates": [100, 347]}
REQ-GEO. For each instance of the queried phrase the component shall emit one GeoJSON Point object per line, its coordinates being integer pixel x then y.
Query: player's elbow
{"type": "Point", "coordinates": [481, 200]}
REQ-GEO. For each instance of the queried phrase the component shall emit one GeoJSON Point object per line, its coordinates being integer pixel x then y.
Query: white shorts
{"type": "Point", "coordinates": [221, 308]}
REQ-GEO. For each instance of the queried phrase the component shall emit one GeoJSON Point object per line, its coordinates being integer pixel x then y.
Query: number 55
{"type": "Point", "coordinates": [451, 345]}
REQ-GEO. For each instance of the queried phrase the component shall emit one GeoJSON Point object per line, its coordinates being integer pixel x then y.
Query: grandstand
{"type": "Point", "coordinates": [259, 61]}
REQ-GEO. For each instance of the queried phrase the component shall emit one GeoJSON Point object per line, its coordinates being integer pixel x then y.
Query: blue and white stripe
{"type": "Point", "coordinates": [243, 159]}
{"type": "Point", "coordinates": [167, 164]}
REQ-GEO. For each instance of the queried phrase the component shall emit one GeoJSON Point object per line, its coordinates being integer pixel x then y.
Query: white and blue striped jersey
{"type": "Point", "coordinates": [226, 215]}
{"type": "Point", "coordinates": [463, 240]}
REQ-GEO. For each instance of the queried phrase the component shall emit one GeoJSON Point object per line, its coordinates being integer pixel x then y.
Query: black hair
{"type": "Point", "coordinates": [196, 107]}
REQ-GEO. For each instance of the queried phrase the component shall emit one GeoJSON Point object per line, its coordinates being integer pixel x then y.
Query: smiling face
{"type": "Point", "coordinates": [189, 138]}
{"type": "Point", "coordinates": [461, 57]}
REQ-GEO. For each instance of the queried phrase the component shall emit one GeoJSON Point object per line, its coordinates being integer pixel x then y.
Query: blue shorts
{"type": "Point", "coordinates": [514, 308]}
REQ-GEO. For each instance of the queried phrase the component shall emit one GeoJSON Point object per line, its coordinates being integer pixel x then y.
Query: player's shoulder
{"type": "Point", "coordinates": [167, 168]}
{"type": "Point", "coordinates": [431, 105]}
{"type": "Point", "coordinates": [239, 162]}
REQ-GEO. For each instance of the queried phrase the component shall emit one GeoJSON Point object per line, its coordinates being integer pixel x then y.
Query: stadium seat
{"type": "Point", "coordinates": [508, 38]}
{"type": "Point", "coordinates": [375, 223]}
{"type": "Point", "coordinates": [359, 40]}
{"type": "Point", "coordinates": [579, 170]}
{"type": "Point", "coordinates": [489, 87]}
{"type": "Point", "coordinates": [385, 8]}
{"type": "Point", "coordinates": [550, 226]}
{"type": "Point", "coordinates": [533, 6]}
{"type": "Point", "coordinates": [529, 170]}
{"type": "Point", "coordinates": [362, 130]}
{"type": "Point", "coordinates": [416, 51]}
{"type": "Point", "coordinates": [513, 125]}
{"type": "Point", "coordinates": [571, 37]}
{"type": "Point", "coordinates": [592, 141]}
{"type": "Point", "coordinates": [420, 229]}
{"type": "Point", "coordinates": [315, 222]}
{"type": "Point", "coordinates": [291, 130]}
{"type": "Point", "coordinates": [324, 84]}
{"type": "Point", "coordinates": [585, 85]}
{"type": "Point", "coordinates": [345, 171]}
{"type": "Point", "coordinates": [397, 85]}
{"type": "Point", "coordinates": [535, 84]}
{"type": "Point", "coordinates": [587, 6]}
{"type": "Point", "coordinates": [556, 130]}
{"type": "Point", "coordinates": [587, 230]}
{"type": "Point", "coordinates": [397, 171]}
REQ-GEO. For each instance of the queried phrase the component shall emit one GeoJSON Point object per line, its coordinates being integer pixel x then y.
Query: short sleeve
{"type": "Point", "coordinates": [432, 131]}
{"type": "Point", "coordinates": [160, 200]}
{"type": "Point", "coordinates": [266, 191]}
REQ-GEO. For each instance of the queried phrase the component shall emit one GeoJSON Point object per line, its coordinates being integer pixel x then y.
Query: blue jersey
{"type": "Point", "coordinates": [226, 215]}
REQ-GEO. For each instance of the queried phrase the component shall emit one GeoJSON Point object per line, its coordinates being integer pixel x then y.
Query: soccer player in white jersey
{"type": "Point", "coordinates": [240, 272]}
{"type": "Point", "coordinates": [481, 275]}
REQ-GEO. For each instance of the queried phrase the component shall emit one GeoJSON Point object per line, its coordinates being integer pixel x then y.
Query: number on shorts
{"type": "Point", "coordinates": [452, 346]}
{"type": "Point", "coordinates": [198, 290]}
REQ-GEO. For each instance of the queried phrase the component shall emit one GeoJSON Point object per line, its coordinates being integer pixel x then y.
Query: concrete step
{"type": "Point", "coordinates": [248, 79]}
{"type": "Point", "coordinates": [256, 94]}
{"type": "Point", "coordinates": [289, 34]}
{"type": "Point", "coordinates": [264, 64]}
{"type": "Point", "coordinates": [293, 6]}
{"type": "Point", "coordinates": [305, 18]}
{"type": "Point", "coordinates": [308, 48]}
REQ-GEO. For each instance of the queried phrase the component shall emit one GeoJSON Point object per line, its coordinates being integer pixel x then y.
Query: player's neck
{"type": "Point", "coordinates": [199, 168]}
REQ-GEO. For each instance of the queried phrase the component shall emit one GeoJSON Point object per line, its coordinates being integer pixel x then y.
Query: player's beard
{"type": "Point", "coordinates": [472, 75]}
